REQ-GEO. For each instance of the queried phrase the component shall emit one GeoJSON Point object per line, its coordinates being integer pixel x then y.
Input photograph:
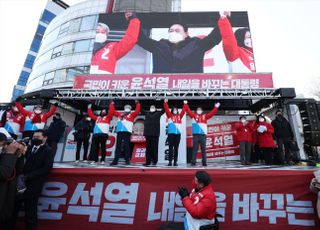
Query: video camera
{"type": "Point", "coordinates": [22, 141]}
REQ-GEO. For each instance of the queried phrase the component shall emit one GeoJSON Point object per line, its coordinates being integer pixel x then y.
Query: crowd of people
{"type": "Point", "coordinates": [260, 140]}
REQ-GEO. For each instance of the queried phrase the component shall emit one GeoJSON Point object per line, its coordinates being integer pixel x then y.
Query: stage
{"type": "Point", "coordinates": [215, 164]}
{"type": "Point", "coordinates": [83, 196]}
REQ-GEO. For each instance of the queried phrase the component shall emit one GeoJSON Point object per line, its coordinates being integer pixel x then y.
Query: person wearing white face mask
{"type": "Point", "coordinates": [174, 130]}
{"type": "Point", "coordinates": [237, 46]}
{"type": "Point", "coordinates": [200, 130]}
{"type": "Point", "coordinates": [35, 120]}
{"type": "Point", "coordinates": [179, 53]}
{"type": "Point", "coordinates": [106, 54]}
{"type": "Point", "coordinates": [124, 130]}
{"type": "Point", "coordinates": [244, 136]}
{"type": "Point", "coordinates": [152, 132]}
{"type": "Point", "coordinates": [13, 121]}
{"type": "Point", "coordinates": [265, 140]}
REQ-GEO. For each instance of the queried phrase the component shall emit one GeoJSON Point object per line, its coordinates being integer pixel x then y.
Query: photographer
{"type": "Point", "coordinates": [200, 204]}
{"type": "Point", "coordinates": [10, 151]}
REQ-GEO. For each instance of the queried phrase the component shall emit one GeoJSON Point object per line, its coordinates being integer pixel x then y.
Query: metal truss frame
{"type": "Point", "coordinates": [177, 94]}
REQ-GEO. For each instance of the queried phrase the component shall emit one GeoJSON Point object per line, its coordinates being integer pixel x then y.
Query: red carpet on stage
{"type": "Point", "coordinates": [146, 198]}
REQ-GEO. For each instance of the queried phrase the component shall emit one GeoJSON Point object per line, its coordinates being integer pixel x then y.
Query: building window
{"type": "Point", "coordinates": [49, 76]}
{"type": "Point", "coordinates": [60, 75]}
{"type": "Point", "coordinates": [67, 48]}
{"type": "Point", "coordinates": [88, 23]}
{"type": "Point", "coordinates": [72, 72]}
{"type": "Point", "coordinates": [56, 52]}
{"type": "Point", "coordinates": [64, 29]}
{"type": "Point", "coordinates": [74, 25]}
{"type": "Point", "coordinates": [82, 46]}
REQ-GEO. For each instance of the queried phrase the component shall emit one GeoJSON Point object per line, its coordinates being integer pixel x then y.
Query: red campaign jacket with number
{"type": "Point", "coordinates": [265, 140]}
{"type": "Point", "coordinates": [107, 57]}
{"type": "Point", "coordinates": [199, 122]}
{"type": "Point", "coordinates": [174, 120]}
{"type": "Point", "coordinates": [201, 205]}
{"type": "Point", "coordinates": [230, 46]}
{"type": "Point", "coordinates": [244, 132]}
{"type": "Point", "coordinates": [14, 122]}
{"type": "Point", "coordinates": [36, 119]}
{"type": "Point", "coordinates": [102, 123]}
{"type": "Point", "coordinates": [125, 121]}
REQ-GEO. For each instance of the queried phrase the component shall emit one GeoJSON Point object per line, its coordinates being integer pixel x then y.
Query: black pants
{"type": "Point", "coordinates": [284, 149]}
{"type": "Point", "coordinates": [99, 144]}
{"type": "Point", "coordinates": [174, 141]}
{"type": "Point", "coordinates": [268, 155]}
{"type": "Point", "coordinates": [152, 144]}
{"type": "Point", "coordinates": [85, 143]}
{"type": "Point", "coordinates": [53, 145]}
{"type": "Point", "coordinates": [199, 139]}
{"type": "Point", "coordinates": [123, 139]}
{"type": "Point", "coordinates": [30, 207]}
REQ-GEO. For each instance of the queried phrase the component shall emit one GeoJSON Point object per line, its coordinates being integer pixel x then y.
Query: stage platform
{"type": "Point", "coordinates": [222, 164]}
{"type": "Point", "coordinates": [83, 196]}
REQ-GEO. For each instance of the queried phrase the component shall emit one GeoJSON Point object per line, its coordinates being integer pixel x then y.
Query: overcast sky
{"type": "Point", "coordinates": [285, 34]}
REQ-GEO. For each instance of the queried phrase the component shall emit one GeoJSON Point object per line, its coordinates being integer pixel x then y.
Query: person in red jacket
{"type": "Point", "coordinates": [35, 120]}
{"type": "Point", "coordinates": [100, 134]}
{"type": "Point", "coordinates": [244, 136]}
{"type": "Point", "coordinates": [124, 130]}
{"type": "Point", "coordinates": [265, 139]}
{"type": "Point", "coordinates": [13, 121]}
{"type": "Point", "coordinates": [200, 130]}
{"type": "Point", "coordinates": [174, 130]}
{"type": "Point", "coordinates": [106, 54]}
{"type": "Point", "coordinates": [237, 46]}
{"type": "Point", "coordinates": [200, 204]}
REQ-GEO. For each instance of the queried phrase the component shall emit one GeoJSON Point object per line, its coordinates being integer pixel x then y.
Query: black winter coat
{"type": "Point", "coordinates": [7, 185]}
{"type": "Point", "coordinates": [183, 57]}
{"type": "Point", "coordinates": [56, 130]}
{"type": "Point", "coordinates": [152, 123]}
{"type": "Point", "coordinates": [36, 169]}
{"type": "Point", "coordinates": [282, 128]}
{"type": "Point", "coordinates": [83, 129]}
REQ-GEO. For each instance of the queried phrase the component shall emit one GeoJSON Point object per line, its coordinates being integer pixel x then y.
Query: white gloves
{"type": "Point", "coordinates": [262, 129]}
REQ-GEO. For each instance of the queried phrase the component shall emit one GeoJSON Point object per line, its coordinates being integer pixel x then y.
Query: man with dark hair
{"type": "Point", "coordinates": [180, 53]}
{"type": "Point", "coordinates": [55, 131]}
{"type": "Point", "coordinates": [201, 203]}
{"type": "Point", "coordinates": [38, 162]}
{"type": "Point", "coordinates": [283, 134]}
{"type": "Point", "coordinates": [152, 132]}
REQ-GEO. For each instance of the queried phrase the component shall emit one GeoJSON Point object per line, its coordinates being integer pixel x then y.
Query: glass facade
{"type": "Point", "coordinates": [65, 46]}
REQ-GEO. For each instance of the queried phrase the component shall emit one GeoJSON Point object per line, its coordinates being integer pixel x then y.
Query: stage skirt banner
{"type": "Point", "coordinates": [173, 81]}
{"type": "Point", "coordinates": [127, 198]}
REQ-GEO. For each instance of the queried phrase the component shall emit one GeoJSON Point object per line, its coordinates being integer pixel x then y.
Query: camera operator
{"type": "Point", "coordinates": [10, 151]}
{"type": "Point", "coordinates": [200, 204]}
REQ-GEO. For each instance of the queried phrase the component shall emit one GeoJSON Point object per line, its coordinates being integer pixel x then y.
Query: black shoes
{"type": "Point", "coordinates": [113, 163]}
{"type": "Point", "coordinates": [170, 164]}
{"type": "Point", "coordinates": [204, 164]}
{"type": "Point", "coordinates": [175, 164]}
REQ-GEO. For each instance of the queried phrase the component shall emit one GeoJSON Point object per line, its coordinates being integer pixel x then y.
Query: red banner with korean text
{"type": "Point", "coordinates": [173, 81]}
{"type": "Point", "coordinates": [221, 140]}
{"type": "Point", "coordinates": [147, 198]}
